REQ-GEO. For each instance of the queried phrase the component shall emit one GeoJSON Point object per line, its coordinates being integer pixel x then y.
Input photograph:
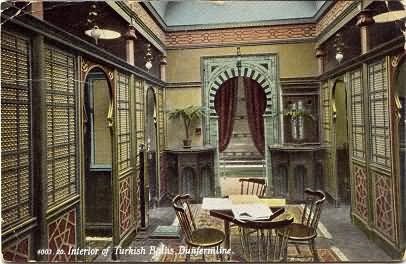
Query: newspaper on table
{"type": "Point", "coordinates": [251, 212]}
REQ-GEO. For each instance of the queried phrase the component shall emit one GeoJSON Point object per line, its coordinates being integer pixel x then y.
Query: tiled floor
{"type": "Point", "coordinates": [346, 240]}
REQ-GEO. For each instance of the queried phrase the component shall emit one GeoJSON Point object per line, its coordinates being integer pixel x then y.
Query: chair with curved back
{"type": "Point", "coordinates": [305, 232]}
{"type": "Point", "coordinates": [265, 240]}
{"type": "Point", "coordinates": [253, 186]}
{"type": "Point", "coordinates": [194, 237]}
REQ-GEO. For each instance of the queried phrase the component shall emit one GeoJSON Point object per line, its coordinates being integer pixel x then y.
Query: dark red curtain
{"type": "Point", "coordinates": [225, 103]}
{"type": "Point", "coordinates": [256, 103]}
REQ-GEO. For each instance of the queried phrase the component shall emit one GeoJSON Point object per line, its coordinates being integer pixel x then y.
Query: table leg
{"type": "Point", "coordinates": [227, 237]}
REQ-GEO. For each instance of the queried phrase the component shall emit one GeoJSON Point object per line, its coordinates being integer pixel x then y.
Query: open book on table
{"type": "Point", "coordinates": [251, 211]}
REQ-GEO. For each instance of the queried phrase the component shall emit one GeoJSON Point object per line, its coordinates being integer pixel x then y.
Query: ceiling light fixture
{"type": "Point", "coordinates": [96, 32]}
{"type": "Point", "coordinates": [339, 46]}
{"type": "Point", "coordinates": [148, 57]}
{"type": "Point", "coordinates": [391, 15]}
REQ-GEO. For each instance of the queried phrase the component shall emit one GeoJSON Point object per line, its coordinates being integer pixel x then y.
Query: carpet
{"type": "Point", "coordinates": [203, 219]}
{"type": "Point", "coordinates": [96, 242]}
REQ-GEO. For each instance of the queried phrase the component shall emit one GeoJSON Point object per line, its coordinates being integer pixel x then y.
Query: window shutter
{"type": "Point", "coordinates": [378, 113]}
{"type": "Point", "coordinates": [161, 121]}
{"type": "Point", "coordinates": [62, 125]}
{"type": "Point", "coordinates": [139, 113]}
{"type": "Point", "coordinates": [123, 108]}
{"type": "Point", "coordinates": [326, 113]}
{"type": "Point", "coordinates": [16, 177]}
{"type": "Point", "coordinates": [357, 115]}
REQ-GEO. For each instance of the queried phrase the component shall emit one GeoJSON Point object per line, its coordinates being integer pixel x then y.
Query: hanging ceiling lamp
{"type": "Point", "coordinates": [391, 15]}
{"type": "Point", "coordinates": [339, 46]}
{"type": "Point", "coordinates": [148, 57]}
{"type": "Point", "coordinates": [96, 32]}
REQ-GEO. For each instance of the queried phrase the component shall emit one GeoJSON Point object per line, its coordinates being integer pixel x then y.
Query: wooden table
{"type": "Point", "coordinates": [227, 216]}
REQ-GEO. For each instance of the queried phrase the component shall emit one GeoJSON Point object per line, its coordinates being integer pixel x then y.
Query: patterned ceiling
{"type": "Point", "coordinates": [197, 13]}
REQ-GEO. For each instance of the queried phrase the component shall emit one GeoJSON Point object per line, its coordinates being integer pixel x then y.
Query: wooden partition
{"type": "Point", "coordinates": [16, 153]}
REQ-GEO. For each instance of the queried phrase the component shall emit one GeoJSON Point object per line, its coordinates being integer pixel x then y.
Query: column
{"type": "Point", "coordinates": [163, 62]}
{"type": "Point", "coordinates": [37, 9]}
{"type": "Point", "coordinates": [39, 131]}
{"type": "Point", "coordinates": [129, 45]}
{"type": "Point", "coordinates": [364, 20]}
{"type": "Point", "coordinates": [320, 54]}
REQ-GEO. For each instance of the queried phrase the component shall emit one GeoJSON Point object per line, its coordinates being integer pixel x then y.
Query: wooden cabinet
{"type": "Point", "coordinates": [295, 168]}
{"type": "Point", "coordinates": [190, 171]}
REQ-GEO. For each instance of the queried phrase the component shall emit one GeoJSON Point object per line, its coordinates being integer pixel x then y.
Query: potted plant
{"type": "Point", "coordinates": [189, 114]}
{"type": "Point", "coordinates": [295, 128]}
{"type": "Point", "coordinates": [295, 114]}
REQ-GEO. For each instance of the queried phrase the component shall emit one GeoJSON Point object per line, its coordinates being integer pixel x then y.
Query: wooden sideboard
{"type": "Point", "coordinates": [190, 171]}
{"type": "Point", "coordinates": [296, 167]}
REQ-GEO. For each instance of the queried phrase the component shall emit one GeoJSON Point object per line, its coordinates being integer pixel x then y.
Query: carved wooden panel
{"type": "Point", "coordinates": [19, 250]}
{"type": "Point", "coordinates": [125, 214]}
{"type": "Point", "coordinates": [361, 191]}
{"type": "Point", "coordinates": [383, 205]}
{"type": "Point", "coordinates": [62, 237]}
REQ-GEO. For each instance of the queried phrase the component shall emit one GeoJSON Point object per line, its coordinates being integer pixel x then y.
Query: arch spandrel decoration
{"type": "Point", "coordinates": [264, 69]}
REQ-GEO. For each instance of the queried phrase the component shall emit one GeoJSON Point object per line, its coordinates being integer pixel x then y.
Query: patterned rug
{"type": "Point", "coordinates": [96, 242]}
{"type": "Point", "coordinates": [203, 219]}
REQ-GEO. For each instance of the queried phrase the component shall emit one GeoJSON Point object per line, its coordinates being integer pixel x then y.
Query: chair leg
{"type": "Point", "coordinates": [187, 255]}
{"type": "Point", "coordinates": [314, 251]}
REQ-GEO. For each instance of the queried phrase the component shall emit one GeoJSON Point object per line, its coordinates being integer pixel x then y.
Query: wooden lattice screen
{"type": "Point", "coordinates": [124, 151]}
{"type": "Point", "coordinates": [61, 98]}
{"type": "Point", "coordinates": [139, 113]}
{"type": "Point", "coordinates": [357, 114]}
{"type": "Point", "coordinates": [325, 100]}
{"type": "Point", "coordinates": [378, 113]}
{"type": "Point", "coordinates": [139, 120]}
{"type": "Point", "coordinates": [161, 120]}
{"type": "Point", "coordinates": [123, 108]}
{"type": "Point", "coordinates": [16, 178]}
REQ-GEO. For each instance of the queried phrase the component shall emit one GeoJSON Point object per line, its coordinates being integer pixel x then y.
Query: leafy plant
{"type": "Point", "coordinates": [188, 114]}
{"type": "Point", "coordinates": [294, 114]}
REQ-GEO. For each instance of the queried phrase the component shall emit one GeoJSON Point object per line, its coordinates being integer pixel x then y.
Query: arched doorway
{"type": "Point", "coordinates": [240, 104]}
{"type": "Point", "coordinates": [151, 141]}
{"type": "Point", "coordinates": [264, 69]}
{"type": "Point", "coordinates": [341, 172]}
{"type": "Point", "coordinates": [98, 154]}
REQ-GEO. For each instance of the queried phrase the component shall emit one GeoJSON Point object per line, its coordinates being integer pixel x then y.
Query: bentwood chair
{"type": "Point", "coordinates": [305, 232]}
{"type": "Point", "coordinates": [195, 237]}
{"type": "Point", "coordinates": [265, 240]}
{"type": "Point", "coordinates": [253, 186]}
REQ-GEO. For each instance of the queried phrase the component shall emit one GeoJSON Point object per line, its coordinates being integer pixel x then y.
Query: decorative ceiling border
{"type": "Point", "coordinates": [240, 35]}
{"type": "Point", "coordinates": [322, 25]}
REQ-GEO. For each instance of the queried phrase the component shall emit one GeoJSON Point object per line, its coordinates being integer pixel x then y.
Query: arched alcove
{"type": "Point", "coordinates": [264, 69]}
{"type": "Point", "coordinates": [98, 153]}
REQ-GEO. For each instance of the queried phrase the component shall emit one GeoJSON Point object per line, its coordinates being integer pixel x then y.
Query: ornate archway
{"type": "Point", "coordinates": [264, 69]}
